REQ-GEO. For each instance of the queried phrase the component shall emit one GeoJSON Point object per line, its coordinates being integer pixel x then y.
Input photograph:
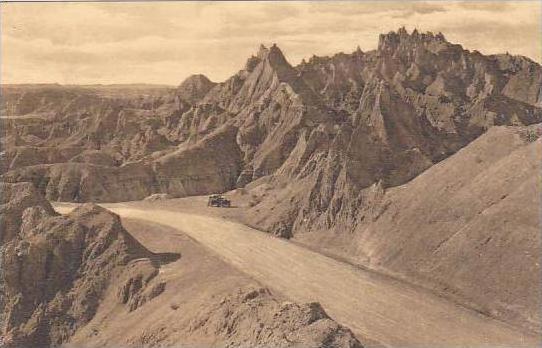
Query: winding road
{"type": "Point", "coordinates": [372, 306]}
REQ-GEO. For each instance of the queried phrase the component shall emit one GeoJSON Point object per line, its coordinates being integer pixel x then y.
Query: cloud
{"type": "Point", "coordinates": [491, 6]}
{"type": "Point", "coordinates": [419, 8]}
{"type": "Point", "coordinates": [372, 7]}
{"type": "Point", "coordinates": [167, 41]}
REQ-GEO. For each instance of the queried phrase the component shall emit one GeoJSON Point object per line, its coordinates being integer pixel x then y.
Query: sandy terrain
{"type": "Point", "coordinates": [206, 303]}
{"type": "Point", "coordinates": [185, 289]}
{"type": "Point", "coordinates": [373, 306]}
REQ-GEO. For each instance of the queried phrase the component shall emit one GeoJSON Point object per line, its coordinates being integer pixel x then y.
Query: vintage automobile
{"type": "Point", "coordinates": [218, 201]}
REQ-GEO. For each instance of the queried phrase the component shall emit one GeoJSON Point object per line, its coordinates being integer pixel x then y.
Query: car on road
{"type": "Point", "coordinates": [218, 201]}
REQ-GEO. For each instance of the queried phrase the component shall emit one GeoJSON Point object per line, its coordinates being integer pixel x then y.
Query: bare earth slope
{"type": "Point", "coordinates": [372, 306]}
{"type": "Point", "coordinates": [83, 273]}
{"type": "Point", "coordinates": [15, 199]}
{"type": "Point", "coordinates": [208, 303]}
{"type": "Point", "coordinates": [395, 158]}
{"type": "Point", "coordinates": [56, 269]}
{"type": "Point", "coordinates": [335, 124]}
{"type": "Point", "coordinates": [468, 226]}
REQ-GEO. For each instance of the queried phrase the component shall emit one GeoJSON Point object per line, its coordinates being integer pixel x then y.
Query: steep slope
{"type": "Point", "coordinates": [124, 127]}
{"type": "Point", "coordinates": [331, 136]}
{"type": "Point", "coordinates": [468, 227]}
{"type": "Point", "coordinates": [15, 198]}
{"type": "Point", "coordinates": [475, 229]}
{"type": "Point", "coordinates": [270, 104]}
{"type": "Point", "coordinates": [394, 157]}
{"type": "Point", "coordinates": [57, 268]}
{"type": "Point", "coordinates": [395, 112]}
{"type": "Point", "coordinates": [210, 165]}
{"type": "Point", "coordinates": [335, 124]}
{"type": "Point", "coordinates": [63, 276]}
{"type": "Point", "coordinates": [207, 303]}
{"type": "Point", "coordinates": [194, 88]}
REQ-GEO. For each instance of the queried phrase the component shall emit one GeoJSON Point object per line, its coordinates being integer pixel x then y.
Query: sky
{"type": "Point", "coordinates": [165, 42]}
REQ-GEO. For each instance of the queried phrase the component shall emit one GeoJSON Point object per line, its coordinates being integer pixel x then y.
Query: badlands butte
{"type": "Point", "coordinates": [402, 185]}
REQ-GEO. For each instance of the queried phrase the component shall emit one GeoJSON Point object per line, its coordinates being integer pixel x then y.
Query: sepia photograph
{"type": "Point", "coordinates": [271, 174]}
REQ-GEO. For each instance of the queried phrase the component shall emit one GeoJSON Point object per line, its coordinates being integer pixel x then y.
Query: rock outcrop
{"type": "Point", "coordinates": [333, 136]}
{"type": "Point", "coordinates": [394, 112]}
{"type": "Point", "coordinates": [469, 226]}
{"type": "Point", "coordinates": [212, 164]}
{"type": "Point", "coordinates": [254, 318]}
{"type": "Point", "coordinates": [15, 199]}
{"type": "Point", "coordinates": [56, 269]}
{"type": "Point", "coordinates": [335, 124]}
{"type": "Point", "coordinates": [84, 182]}
{"type": "Point", "coordinates": [194, 88]}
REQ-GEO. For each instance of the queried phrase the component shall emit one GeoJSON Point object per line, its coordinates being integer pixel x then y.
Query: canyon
{"type": "Point", "coordinates": [419, 160]}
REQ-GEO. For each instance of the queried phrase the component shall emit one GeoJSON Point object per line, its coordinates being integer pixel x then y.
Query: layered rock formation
{"type": "Point", "coordinates": [194, 88]}
{"type": "Point", "coordinates": [469, 226]}
{"type": "Point", "coordinates": [254, 318]}
{"type": "Point", "coordinates": [333, 136]}
{"type": "Point", "coordinates": [394, 112]}
{"type": "Point", "coordinates": [211, 165]}
{"type": "Point", "coordinates": [15, 199]}
{"type": "Point", "coordinates": [338, 124]}
{"type": "Point", "coordinates": [60, 274]}
{"type": "Point", "coordinates": [56, 269]}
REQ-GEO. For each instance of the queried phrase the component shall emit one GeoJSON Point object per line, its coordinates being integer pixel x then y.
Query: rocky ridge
{"type": "Point", "coordinates": [468, 227]}
{"type": "Point", "coordinates": [331, 138]}
{"type": "Point", "coordinates": [384, 115]}
{"type": "Point", "coordinates": [56, 269]}
{"type": "Point", "coordinates": [62, 273]}
{"type": "Point", "coordinates": [254, 318]}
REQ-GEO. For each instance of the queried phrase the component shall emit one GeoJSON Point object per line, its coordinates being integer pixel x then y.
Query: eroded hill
{"type": "Point", "coordinates": [468, 227]}
{"type": "Point", "coordinates": [342, 122]}
{"type": "Point", "coordinates": [345, 151]}
{"type": "Point", "coordinates": [63, 275]}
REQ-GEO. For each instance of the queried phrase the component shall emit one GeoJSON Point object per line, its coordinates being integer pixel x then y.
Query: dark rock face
{"type": "Point", "coordinates": [194, 88]}
{"type": "Point", "coordinates": [392, 113]}
{"type": "Point", "coordinates": [83, 182]}
{"type": "Point", "coordinates": [333, 135]}
{"type": "Point", "coordinates": [15, 198]}
{"type": "Point", "coordinates": [339, 124]}
{"type": "Point", "coordinates": [211, 165]}
{"type": "Point", "coordinates": [56, 269]}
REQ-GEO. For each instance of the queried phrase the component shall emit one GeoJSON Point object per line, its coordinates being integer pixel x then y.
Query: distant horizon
{"type": "Point", "coordinates": [170, 85]}
{"type": "Point", "coordinates": [133, 43]}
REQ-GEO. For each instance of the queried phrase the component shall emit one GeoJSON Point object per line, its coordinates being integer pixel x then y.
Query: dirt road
{"type": "Point", "coordinates": [375, 307]}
